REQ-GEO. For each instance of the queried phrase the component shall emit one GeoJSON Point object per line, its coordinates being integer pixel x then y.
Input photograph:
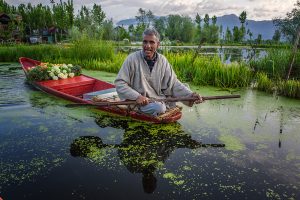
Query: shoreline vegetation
{"type": "Point", "coordinates": [266, 74]}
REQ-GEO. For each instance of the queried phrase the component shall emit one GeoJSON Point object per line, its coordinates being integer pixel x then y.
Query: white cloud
{"type": "Point", "coordinates": [123, 9]}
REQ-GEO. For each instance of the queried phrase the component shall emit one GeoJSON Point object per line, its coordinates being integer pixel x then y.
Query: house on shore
{"type": "Point", "coordinates": [9, 28]}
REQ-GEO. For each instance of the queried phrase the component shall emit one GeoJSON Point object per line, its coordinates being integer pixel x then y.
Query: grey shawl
{"type": "Point", "coordinates": [135, 78]}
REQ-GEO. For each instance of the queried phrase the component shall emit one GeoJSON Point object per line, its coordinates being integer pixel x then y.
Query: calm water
{"type": "Point", "coordinates": [227, 54]}
{"type": "Point", "coordinates": [48, 151]}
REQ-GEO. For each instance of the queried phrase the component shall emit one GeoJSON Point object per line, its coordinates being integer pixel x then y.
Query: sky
{"type": "Point", "coordinates": [124, 9]}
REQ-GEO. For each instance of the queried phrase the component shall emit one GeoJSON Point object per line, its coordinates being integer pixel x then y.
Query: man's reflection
{"type": "Point", "coordinates": [144, 149]}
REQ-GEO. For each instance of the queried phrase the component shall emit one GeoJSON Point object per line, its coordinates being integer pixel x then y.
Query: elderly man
{"type": "Point", "coordinates": [146, 74]}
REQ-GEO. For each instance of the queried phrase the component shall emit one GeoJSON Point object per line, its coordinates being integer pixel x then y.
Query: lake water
{"type": "Point", "coordinates": [49, 151]}
{"type": "Point", "coordinates": [227, 54]}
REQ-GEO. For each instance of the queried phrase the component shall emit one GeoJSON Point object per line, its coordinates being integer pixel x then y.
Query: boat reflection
{"type": "Point", "coordinates": [144, 148]}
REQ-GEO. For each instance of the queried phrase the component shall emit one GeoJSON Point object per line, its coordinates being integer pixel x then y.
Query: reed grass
{"type": "Point", "coordinates": [79, 51]}
{"type": "Point", "coordinates": [264, 83]}
{"type": "Point", "coordinates": [86, 49]}
{"type": "Point", "coordinates": [38, 52]}
{"type": "Point", "coordinates": [275, 63]}
{"type": "Point", "coordinates": [203, 70]}
{"type": "Point", "coordinates": [290, 88]}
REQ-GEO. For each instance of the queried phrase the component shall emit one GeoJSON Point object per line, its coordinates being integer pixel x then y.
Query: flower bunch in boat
{"type": "Point", "coordinates": [46, 71]}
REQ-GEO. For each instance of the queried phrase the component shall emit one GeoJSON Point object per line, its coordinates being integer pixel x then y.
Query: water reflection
{"type": "Point", "coordinates": [261, 157]}
{"type": "Point", "coordinates": [227, 54]}
{"type": "Point", "coordinates": [144, 147]}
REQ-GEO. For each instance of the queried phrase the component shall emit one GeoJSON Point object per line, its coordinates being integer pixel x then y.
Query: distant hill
{"type": "Point", "coordinates": [266, 28]}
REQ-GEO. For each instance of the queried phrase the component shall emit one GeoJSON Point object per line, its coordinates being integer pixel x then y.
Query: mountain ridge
{"type": "Point", "coordinates": [265, 27]}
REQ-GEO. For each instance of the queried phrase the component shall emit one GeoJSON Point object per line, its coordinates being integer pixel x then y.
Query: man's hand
{"type": "Point", "coordinates": [198, 99]}
{"type": "Point", "coordinates": [141, 100]}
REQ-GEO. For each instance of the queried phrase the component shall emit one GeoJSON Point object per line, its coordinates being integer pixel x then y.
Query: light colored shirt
{"type": "Point", "coordinates": [135, 78]}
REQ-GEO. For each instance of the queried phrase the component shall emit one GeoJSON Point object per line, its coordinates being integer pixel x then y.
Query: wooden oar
{"type": "Point", "coordinates": [131, 102]}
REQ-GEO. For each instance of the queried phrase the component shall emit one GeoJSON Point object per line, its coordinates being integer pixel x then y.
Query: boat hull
{"type": "Point", "coordinates": [73, 89]}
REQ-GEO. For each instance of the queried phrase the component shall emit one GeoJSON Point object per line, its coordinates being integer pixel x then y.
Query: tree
{"type": "Point", "coordinates": [150, 17]}
{"type": "Point", "coordinates": [131, 31]}
{"type": "Point", "coordinates": [4, 7]}
{"type": "Point", "coordinates": [242, 31]}
{"type": "Point", "coordinates": [243, 17]}
{"type": "Point", "coordinates": [139, 29]}
{"type": "Point", "coordinates": [259, 39]}
{"type": "Point", "coordinates": [141, 17]}
{"type": "Point", "coordinates": [69, 7]}
{"type": "Point", "coordinates": [198, 21]}
{"type": "Point", "coordinates": [214, 31]}
{"type": "Point", "coordinates": [60, 17]}
{"type": "Point", "coordinates": [250, 34]}
{"type": "Point", "coordinates": [206, 19]}
{"type": "Point", "coordinates": [228, 36]}
{"type": "Point", "coordinates": [290, 27]}
{"type": "Point", "coordinates": [236, 34]}
{"type": "Point", "coordinates": [160, 26]}
{"type": "Point", "coordinates": [174, 27]}
{"type": "Point", "coordinates": [205, 36]}
{"type": "Point", "coordinates": [187, 29]}
{"type": "Point", "coordinates": [108, 29]}
{"type": "Point", "coordinates": [83, 19]}
{"type": "Point", "coordinates": [98, 15]}
{"type": "Point", "coordinates": [276, 36]}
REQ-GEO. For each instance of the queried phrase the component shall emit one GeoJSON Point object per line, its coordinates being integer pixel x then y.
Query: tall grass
{"type": "Point", "coordinates": [203, 70]}
{"type": "Point", "coordinates": [86, 49]}
{"type": "Point", "coordinates": [264, 83]}
{"type": "Point", "coordinates": [79, 51]}
{"type": "Point", "coordinates": [275, 63]}
{"type": "Point", "coordinates": [113, 65]}
{"type": "Point", "coordinates": [38, 52]}
{"type": "Point", "coordinates": [289, 88]}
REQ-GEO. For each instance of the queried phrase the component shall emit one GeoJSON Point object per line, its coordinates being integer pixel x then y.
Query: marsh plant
{"type": "Point", "coordinates": [289, 88]}
{"type": "Point", "coordinates": [276, 63]}
{"type": "Point", "coordinates": [204, 70]}
{"type": "Point", "coordinates": [80, 50]}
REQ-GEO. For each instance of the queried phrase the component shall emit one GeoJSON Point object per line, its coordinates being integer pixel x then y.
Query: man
{"type": "Point", "coordinates": [147, 74]}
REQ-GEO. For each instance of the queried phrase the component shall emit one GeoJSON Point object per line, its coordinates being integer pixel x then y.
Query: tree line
{"type": "Point", "coordinates": [93, 23]}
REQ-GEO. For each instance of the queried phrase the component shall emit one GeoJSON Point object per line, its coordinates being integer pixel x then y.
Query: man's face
{"type": "Point", "coordinates": [150, 45]}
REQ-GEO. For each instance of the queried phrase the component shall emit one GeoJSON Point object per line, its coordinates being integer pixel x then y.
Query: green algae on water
{"type": "Point", "coordinates": [232, 143]}
{"type": "Point", "coordinates": [175, 179]}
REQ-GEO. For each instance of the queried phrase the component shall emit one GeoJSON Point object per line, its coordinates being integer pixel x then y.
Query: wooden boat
{"type": "Point", "coordinates": [80, 89]}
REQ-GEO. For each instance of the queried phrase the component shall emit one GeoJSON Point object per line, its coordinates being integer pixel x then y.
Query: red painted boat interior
{"type": "Point", "coordinates": [77, 86]}
{"type": "Point", "coordinates": [26, 63]}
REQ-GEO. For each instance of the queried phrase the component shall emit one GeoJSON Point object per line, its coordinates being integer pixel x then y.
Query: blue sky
{"type": "Point", "coordinates": [124, 9]}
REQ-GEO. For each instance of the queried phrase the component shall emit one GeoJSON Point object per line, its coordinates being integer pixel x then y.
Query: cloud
{"type": "Point", "coordinates": [123, 9]}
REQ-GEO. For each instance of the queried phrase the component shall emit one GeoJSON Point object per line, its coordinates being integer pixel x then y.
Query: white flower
{"type": "Point", "coordinates": [70, 65]}
{"type": "Point", "coordinates": [55, 67]}
{"type": "Point", "coordinates": [60, 75]}
{"type": "Point", "coordinates": [71, 75]}
{"type": "Point", "coordinates": [55, 78]}
{"type": "Point", "coordinates": [51, 74]}
{"type": "Point", "coordinates": [64, 71]}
